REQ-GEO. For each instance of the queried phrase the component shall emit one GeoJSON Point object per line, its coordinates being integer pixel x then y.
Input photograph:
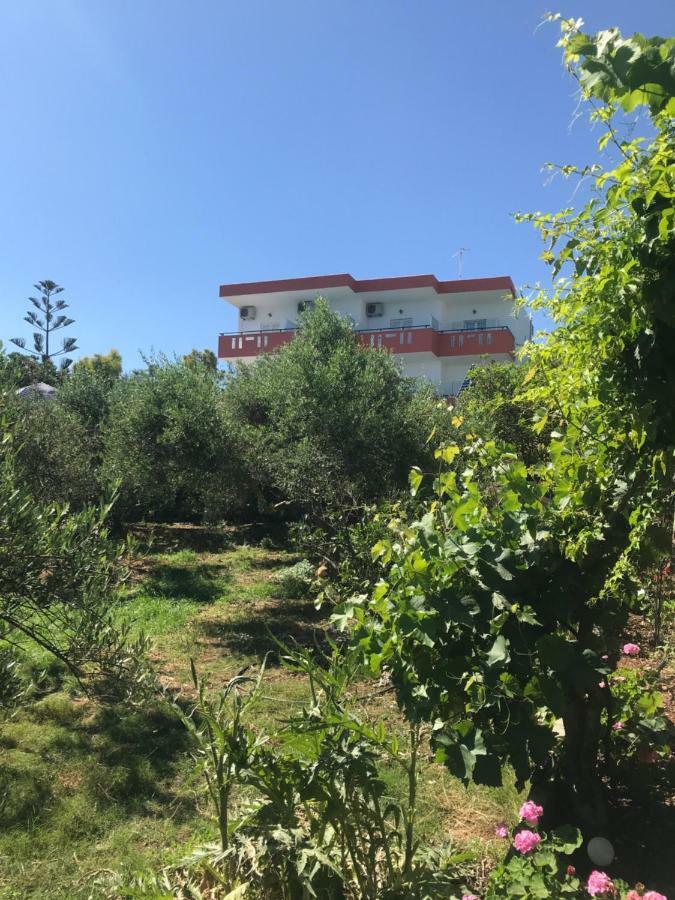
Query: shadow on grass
{"type": "Point", "coordinates": [115, 760]}
{"type": "Point", "coordinates": [136, 754]}
{"type": "Point", "coordinates": [265, 563]}
{"type": "Point", "coordinates": [201, 582]}
{"type": "Point", "coordinates": [168, 538]}
{"type": "Point", "coordinates": [251, 634]}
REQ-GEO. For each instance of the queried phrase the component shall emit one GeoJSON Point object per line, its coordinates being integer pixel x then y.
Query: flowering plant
{"type": "Point", "coordinates": [540, 868]}
{"type": "Point", "coordinates": [639, 726]}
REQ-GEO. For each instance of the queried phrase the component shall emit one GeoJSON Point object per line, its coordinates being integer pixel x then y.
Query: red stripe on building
{"type": "Point", "coordinates": [369, 285]}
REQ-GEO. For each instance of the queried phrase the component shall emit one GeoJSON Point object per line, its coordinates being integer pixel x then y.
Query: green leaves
{"type": "Point", "coordinates": [524, 552]}
{"type": "Point", "coordinates": [499, 652]}
{"type": "Point", "coordinates": [458, 748]}
{"type": "Point", "coordinates": [566, 839]}
{"type": "Point", "coordinates": [415, 479]}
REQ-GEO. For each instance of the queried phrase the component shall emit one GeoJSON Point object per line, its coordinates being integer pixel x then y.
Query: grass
{"type": "Point", "coordinates": [87, 790]}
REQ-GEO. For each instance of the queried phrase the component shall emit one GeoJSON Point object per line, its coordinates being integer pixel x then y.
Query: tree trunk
{"type": "Point", "coordinates": [580, 765]}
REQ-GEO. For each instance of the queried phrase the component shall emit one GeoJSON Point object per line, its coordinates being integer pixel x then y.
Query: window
{"type": "Point", "coordinates": [475, 324]}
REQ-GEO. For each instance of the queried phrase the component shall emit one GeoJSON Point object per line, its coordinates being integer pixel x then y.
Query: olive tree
{"type": "Point", "coordinates": [326, 424]}
{"type": "Point", "coordinates": [166, 445]}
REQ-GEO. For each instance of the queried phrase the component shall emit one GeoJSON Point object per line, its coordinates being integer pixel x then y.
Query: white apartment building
{"type": "Point", "coordinates": [436, 329]}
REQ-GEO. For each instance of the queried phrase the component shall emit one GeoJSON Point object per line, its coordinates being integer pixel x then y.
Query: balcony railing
{"type": "Point", "coordinates": [411, 339]}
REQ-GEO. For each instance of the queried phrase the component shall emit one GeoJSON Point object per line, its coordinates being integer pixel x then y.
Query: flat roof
{"type": "Point", "coordinates": [402, 282]}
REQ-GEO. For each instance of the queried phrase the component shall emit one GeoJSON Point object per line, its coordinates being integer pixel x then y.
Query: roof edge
{"type": "Point", "coordinates": [316, 282]}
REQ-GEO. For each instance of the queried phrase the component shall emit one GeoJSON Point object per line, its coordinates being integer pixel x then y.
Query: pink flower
{"type": "Point", "coordinates": [633, 895]}
{"type": "Point", "coordinates": [618, 726]}
{"type": "Point", "coordinates": [599, 883]}
{"type": "Point", "coordinates": [470, 897]}
{"type": "Point", "coordinates": [501, 831]}
{"type": "Point", "coordinates": [605, 656]}
{"type": "Point", "coordinates": [654, 895]}
{"type": "Point", "coordinates": [525, 841]}
{"type": "Point", "coordinates": [571, 870]}
{"type": "Point", "coordinates": [630, 649]}
{"type": "Point", "coordinates": [530, 812]}
{"type": "Point", "coordinates": [602, 684]}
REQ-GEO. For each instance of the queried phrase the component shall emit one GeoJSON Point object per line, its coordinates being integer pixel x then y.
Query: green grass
{"type": "Point", "coordinates": [87, 790]}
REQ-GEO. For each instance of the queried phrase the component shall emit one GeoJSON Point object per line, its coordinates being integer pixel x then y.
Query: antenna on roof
{"type": "Point", "coordinates": [460, 259]}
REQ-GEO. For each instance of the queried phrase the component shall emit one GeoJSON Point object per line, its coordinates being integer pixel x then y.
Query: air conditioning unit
{"type": "Point", "coordinates": [248, 313]}
{"type": "Point", "coordinates": [305, 305]}
{"type": "Point", "coordinates": [374, 310]}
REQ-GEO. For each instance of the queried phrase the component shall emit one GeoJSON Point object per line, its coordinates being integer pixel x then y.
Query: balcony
{"type": "Point", "coordinates": [411, 339]}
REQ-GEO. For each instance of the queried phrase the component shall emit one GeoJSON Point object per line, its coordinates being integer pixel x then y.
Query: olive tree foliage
{"type": "Point", "coordinates": [59, 580]}
{"type": "Point", "coordinates": [325, 424]}
{"type": "Point", "coordinates": [202, 358]}
{"type": "Point", "coordinates": [58, 443]}
{"type": "Point", "coordinates": [167, 446]}
{"type": "Point", "coordinates": [492, 406]}
{"type": "Point", "coordinates": [55, 453]}
{"type": "Point", "coordinates": [501, 604]}
{"type": "Point", "coordinates": [87, 390]}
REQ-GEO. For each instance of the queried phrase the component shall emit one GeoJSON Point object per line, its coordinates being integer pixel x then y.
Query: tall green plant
{"type": "Point", "coordinates": [225, 747]}
{"type": "Point", "coordinates": [307, 814]}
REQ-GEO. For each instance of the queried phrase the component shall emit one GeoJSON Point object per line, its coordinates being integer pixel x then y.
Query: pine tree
{"type": "Point", "coordinates": [48, 319]}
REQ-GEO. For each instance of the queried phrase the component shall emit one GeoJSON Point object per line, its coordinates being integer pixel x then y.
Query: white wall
{"type": "Point", "coordinates": [423, 366]}
{"type": "Point", "coordinates": [277, 310]}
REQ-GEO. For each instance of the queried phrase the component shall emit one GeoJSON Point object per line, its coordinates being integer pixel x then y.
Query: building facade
{"type": "Point", "coordinates": [436, 329]}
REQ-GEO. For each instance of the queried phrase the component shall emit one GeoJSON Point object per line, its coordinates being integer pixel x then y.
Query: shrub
{"type": "Point", "coordinates": [638, 726]}
{"type": "Point", "coordinates": [87, 391]}
{"type": "Point", "coordinates": [491, 407]}
{"type": "Point", "coordinates": [318, 821]}
{"type": "Point", "coordinates": [538, 867]}
{"type": "Point", "coordinates": [167, 446]}
{"type": "Point", "coordinates": [295, 581]}
{"type": "Point", "coordinates": [55, 454]}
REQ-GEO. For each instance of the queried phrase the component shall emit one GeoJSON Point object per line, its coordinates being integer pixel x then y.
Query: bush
{"type": "Point", "coordinates": [296, 581]}
{"type": "Point", "coordinates": [491, 406]}
{"type": "Point", "coordinates": [539, 866]}
{"type": "Point", "coordinates": [87, 391]}
{"type": "Point", "coordinates": [56, 456]}
{"type": "Point", "coordinates": [167, 445]}
{"type": "Point", "coordinates": [317, 821]}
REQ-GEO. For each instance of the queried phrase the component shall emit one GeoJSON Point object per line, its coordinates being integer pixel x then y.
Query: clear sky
{"type": "Point", "coordinates": [153, 149]}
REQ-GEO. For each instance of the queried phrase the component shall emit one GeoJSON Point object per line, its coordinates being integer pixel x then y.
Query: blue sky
{"type": "Point", "coordinates": [153, 150]}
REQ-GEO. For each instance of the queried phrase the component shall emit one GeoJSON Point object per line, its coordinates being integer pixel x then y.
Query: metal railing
{"type": "Point", "coordinates": [253, 331]}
